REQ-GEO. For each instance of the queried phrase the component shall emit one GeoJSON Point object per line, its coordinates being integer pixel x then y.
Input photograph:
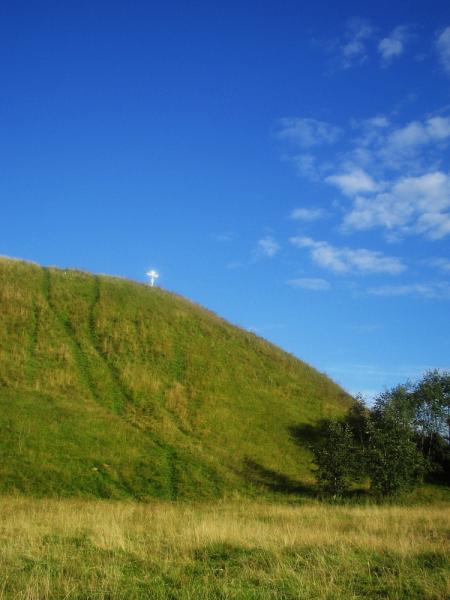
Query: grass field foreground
{"type": "Point", "coordinates": [80, 549]}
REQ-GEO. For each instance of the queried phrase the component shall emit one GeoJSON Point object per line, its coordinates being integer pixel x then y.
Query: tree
{"type": "Point", "coordinates": [432, 421]}
{"type": "Point", "coordinates": [356, 418]}
{"type": "Point", "coordinates": [432, 401]}
{"type": "Point", "coordinates": [394, 461]}
{"type": "Point", "coordinates": [334, 459]}
{"type": "Point", "coordinates": [404, 435]}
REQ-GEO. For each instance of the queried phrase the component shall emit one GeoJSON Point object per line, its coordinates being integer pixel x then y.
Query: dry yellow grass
{"type": "Point", "coordinates": [99, 549]}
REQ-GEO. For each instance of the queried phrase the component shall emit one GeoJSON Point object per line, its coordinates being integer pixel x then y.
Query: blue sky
{"type": "Point", "coordinates": [284, 164]}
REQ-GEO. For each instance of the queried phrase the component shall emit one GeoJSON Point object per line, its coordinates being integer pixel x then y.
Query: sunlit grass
{"type": "Point", "coordinates": [111, 550]}
{"type": "Point", "coordinates": [111, 389]}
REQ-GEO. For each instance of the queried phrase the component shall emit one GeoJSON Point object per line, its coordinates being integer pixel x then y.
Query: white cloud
{"type": "Point", "coordinates": [354, 49]}
{"type": "Point", "coordinates": [440, 263]}
{"type": "Point", "coordinates": [267, 247]}
{"type": "Point", "coordinates": [305, 165]}
{"type": "Point", "coordinates": [348, 260]}
{"type": "Point", "coordinates": [412, 205]}
{"type": "Point", "coordinates": [409, 140]}
{"type": "Point", "coordinates": [226, 236]}
{"type": "Point", "coordinates": [393, 45]}
{"type": "Point", "coordinates": [393, 174]}
{"type": "Point", "coordinates": [438, 128]}
{"type": "Point", "coordinates": [312, 284]}
{"type": "Point", "coordinates": [378, 122]}
{"type": "Point", "coordinates": [424, 290]}
{"type": "Point", "coordinates": [409, 149]}
{"type": "Point", "coordinates": [353, 182]}
{"type": "Point", "coordinates": [435, 225]}
{"type": "Point", "coordinates": [413, 134]}
{"type": "Point", "coordinates": [307, 132]}
{"type": "Point", "coordinates": [378, 145]}
{"type": "Point", "coordinates": [443, 49]}
{"type": "Point", "coordinates": [307, 214]}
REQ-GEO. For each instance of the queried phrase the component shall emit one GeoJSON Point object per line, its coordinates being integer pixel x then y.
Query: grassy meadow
{"type": "Point", "coordinates": [108, 550]}
{"type": "Point", "coordinates": [151, 450]}
{"type": "Point", "coordinates": [112, 389]}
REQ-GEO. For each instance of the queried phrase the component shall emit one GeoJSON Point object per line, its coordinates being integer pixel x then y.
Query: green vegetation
{"type": "Point", "coordinates": [335, 459]}
{"type": "Point", "coordinates": [81, 550]}
{"type": "Point", "coordinates": [405, 436]}
{"type": "Point", "coordinates": [112, 389]}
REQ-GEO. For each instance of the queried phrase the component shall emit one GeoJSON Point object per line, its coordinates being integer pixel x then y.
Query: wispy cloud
{"type": "Point", "coordinates": [425, 290]}
{"type": "Point", "coordinates": [443, 264]}
{"type": "Point", "coordinates": [405, 143]}
{"type": "Point", "coordinates": [360, 40]}
{"type": "Point", "coordinates": [307, 214]}
{"type": "Point", "coordinates": [399, 372]}
{"type": "Point", "coordinates": [235, 265]}
{"type": "Point", "coordinates": [354, 47]}
{"type": "Point", "coordinates": [343, 260]}
{"type": "Point", "coordinates": [366, 328]}
{"type": "Point", "coordinates": [306, 133]}
{"type": "Point", "coordinates": [226, 236]}
{"type": "Point", "coordinates": [412, 147]}
{"type": "Point", "coordinates": [379, 375]}
{"type": "Point", "coordinates": [305, 164]}
{"type": "Point", "coordinates": [267, 247]}
{"type": "Point", "coordinates": [393, 45]}
{"type": "Point", "coordinates": [312, 284]}
{"type": "Point", "coordinates": [443, 49]}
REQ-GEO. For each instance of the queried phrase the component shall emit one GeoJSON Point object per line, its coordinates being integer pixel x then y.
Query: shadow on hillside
{"type": "Point", "coordinates": [275, 481]}
{"type": "Point", "coordinates": [307, 435]}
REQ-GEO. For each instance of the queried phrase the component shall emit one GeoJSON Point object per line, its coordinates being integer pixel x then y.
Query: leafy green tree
{"type": "Point", "coordinates": [356, 418]}
{"type": "Point", "coordinates": [398, 403]}
{"type": "Point", "coordinates": [432, 402]}
{"type": "Point", "coordinates": [394, 461]}
{"type": "Point", "coordinates": [405, 435]}
{"type": "Point", "coordinates": [431, 397]}
{"type": "Point", "coordinates": [334, 459]}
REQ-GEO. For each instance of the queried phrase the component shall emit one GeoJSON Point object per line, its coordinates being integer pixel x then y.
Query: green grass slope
{"type": "Point", "coordinates": [109, 388]}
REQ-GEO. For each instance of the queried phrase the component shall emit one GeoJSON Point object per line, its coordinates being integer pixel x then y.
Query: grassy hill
{"type": "Point", "coordinates": [109, 388]}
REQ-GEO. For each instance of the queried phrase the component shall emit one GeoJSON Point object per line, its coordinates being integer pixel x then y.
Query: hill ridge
{"type": "Point", "coordinates": [111, 388]}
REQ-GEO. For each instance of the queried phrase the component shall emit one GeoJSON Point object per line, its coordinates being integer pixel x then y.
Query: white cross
{"type": "Point", "coordinates": [153, 275]}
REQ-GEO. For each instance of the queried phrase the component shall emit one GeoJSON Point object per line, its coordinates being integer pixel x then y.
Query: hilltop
{"type": "Point", "coordinates": [109, 388]}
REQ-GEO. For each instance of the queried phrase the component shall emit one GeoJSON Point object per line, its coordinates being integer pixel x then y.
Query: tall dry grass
{"type": "Point", "coordinates": [111, 550]}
